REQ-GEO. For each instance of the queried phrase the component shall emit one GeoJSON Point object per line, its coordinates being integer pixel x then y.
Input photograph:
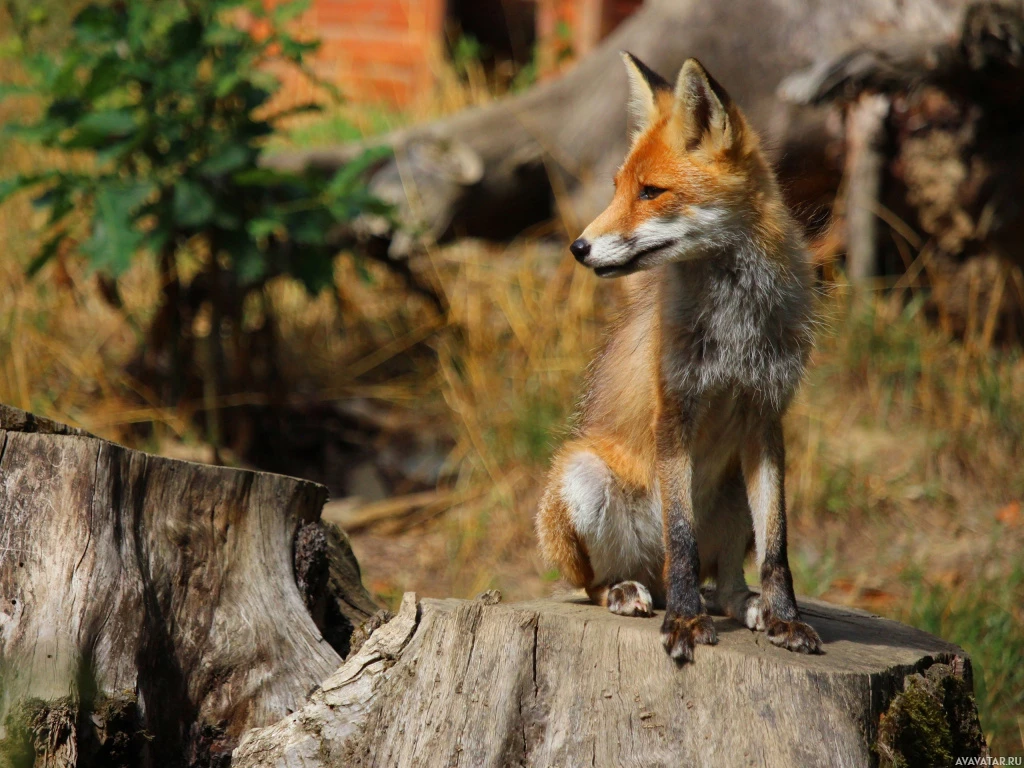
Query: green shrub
{"type": "Point", "coordinates": [171, 102]}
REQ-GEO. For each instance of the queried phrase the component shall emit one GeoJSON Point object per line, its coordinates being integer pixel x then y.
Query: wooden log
{"type": "Point", "coordinates": [493, 171]}
{"type": "Point", "coordinates": [561, 682]}
{"type": "Point", "coordinates": [199, 595]}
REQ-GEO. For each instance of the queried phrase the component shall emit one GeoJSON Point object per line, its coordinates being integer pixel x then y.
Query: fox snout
{"type": "Point", "coordinates": [615, 255]}
{"type": "Point", "coordinates": [580, 249]}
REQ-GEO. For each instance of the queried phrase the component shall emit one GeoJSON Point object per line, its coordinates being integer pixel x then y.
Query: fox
{"type": "Point", "coordinates": [675, 468]}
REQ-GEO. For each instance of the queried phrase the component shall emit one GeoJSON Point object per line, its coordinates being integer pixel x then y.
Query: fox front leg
{"type": "Point", "coordinates": [764, 459]}
{"type": "Point", "coordinates": [686, 621]}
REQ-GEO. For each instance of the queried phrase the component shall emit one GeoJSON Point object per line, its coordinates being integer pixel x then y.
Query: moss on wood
{"type": "Point", "coordinates": [932, 722]}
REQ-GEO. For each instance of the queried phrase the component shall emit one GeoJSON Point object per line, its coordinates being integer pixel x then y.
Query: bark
{"type": "Point", "coordinates": [199, 595]}
{"type": "Point", "coordinates": [560, 682]}
{"type": "Point", "coordinates": [494, 170]}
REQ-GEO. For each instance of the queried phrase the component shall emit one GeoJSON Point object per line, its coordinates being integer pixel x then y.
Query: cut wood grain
{"type": "Point", "coordinates": [561, 682]}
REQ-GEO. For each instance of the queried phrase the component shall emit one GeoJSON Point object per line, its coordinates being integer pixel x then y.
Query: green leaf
{"type": "Point", "coordinates": [22, 181]}
{"type": "Point", "coordinates": [59, 199]}
{"type": "Point", "coordinates": [46, 253]}
{"type": "Point", "coordinates": [100, 128]}
{"type": "Point", "coordinates": [261, 177]}
{"type": "Point", "coordinates": [43, 132]}
{"type": "Point", "coordinates": [230, 159]}
{"type": "Point", "coordinates": [108, 74]}
{"type": "Point", "coordinates": [310, 227]}
{"type": "Point", "coordinates": [296, 49]}
{"type": "Point", "coordinates": [14, 89]}
{"type": "Point", "coordinates": [222, 86]}
{"type": "Point", "coordinates": [260, 229]}
{"type": "Point", "coordinates": [314, 267]}
{"type": "Point", "coordinates": [193, 205]}
{"type": "Point", "coordinates": [286, 12]}
{"type": "Point", "coordinates": [349, 178]}
{"type": "Point", "coordinates": [115, 239]}
{"type": "Point", "coordinates": [250, 264]}
{"type": "Point", "coordinates": [222, 35]}
{"type": "Point", "coordinates": [300, 109]}
{"type": "Point", "coordinates": [98, 24]}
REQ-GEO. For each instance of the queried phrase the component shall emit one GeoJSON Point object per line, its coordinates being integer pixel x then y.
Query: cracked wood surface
{"type": "Point", "coordinates": [563, 683]}
{"type": "Point", "coordinates": [174, 581]}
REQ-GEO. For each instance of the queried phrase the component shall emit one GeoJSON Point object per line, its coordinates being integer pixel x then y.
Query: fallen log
{"type": "Point", "coordinates": [562, 682]}
{"type": "Point", "coordinates": [493, 171]}
{"type": "Point", "coordinates": [186, 602]}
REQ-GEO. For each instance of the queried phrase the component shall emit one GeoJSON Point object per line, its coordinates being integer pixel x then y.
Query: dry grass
{"type": "Point", "coordinates": [905, 446]}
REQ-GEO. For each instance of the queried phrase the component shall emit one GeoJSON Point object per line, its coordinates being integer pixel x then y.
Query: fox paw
{"type": "Point", "coordinates": [630, 598]}
{"type": "Point", "coordinates": [679, 635]}
{"type": "Point", "coordinates": [793, 636]}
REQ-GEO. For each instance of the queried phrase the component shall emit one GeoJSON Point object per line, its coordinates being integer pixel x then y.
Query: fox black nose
{"type": "Point", "coordinates": [580, 249]}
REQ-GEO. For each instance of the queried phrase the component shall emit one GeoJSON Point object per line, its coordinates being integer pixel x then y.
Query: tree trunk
{"type": "Point", "coordinates": [153, 610]}
{"type": "Point", "coordinates": [494, 170]}
{"type": "Point", "coordinates": [561, 682]}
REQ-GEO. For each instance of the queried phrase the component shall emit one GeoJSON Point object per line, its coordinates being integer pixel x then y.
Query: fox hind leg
{"type": "Point", "coordinates": [602, 537]}
{"type": "Point", "coordinates": [732, 595]}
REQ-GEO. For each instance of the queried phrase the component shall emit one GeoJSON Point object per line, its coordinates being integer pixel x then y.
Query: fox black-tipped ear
{"type": "Point", "coordinates": [704, 107]}
{"type": "Point", "coordinates": [644, 83]}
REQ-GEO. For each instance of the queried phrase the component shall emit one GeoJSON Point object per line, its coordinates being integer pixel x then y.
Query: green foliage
{"type": "Point", "coordinates": [170, 97]}
{"type": "Point", "coordinates": [466, 53]}
{"type": "Point", "coordinates": [166, 110]}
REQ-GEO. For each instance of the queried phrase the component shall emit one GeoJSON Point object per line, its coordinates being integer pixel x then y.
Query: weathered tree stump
{"type": "Point", "coordinates": [161, 593]}
{"type": "Point", "coordinates": [563, 683]}
{"type": "Point", "coordinates": [158, 613]}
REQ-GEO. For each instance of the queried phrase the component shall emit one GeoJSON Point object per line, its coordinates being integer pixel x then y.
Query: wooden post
{"type": "Point", "coordinates": [865, 134]}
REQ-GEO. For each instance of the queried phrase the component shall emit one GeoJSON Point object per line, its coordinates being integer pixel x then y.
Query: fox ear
{"type": "Point", "coordinates": [644, 83]}
{"type": "Point", "coordinates": [704, 108]}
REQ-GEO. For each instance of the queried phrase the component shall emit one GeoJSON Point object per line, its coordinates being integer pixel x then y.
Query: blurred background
{"type": "Point", "coordinates": [329, 239]}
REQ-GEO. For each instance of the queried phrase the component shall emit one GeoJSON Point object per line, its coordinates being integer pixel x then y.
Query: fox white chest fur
{"type": "Point", "coordinates": [676, 469]}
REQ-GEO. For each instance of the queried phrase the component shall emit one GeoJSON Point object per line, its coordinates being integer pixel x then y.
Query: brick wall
{"type": "Point", "coordinates": [386, 50]}
{"type": "Point", "coordinates": [373, 50]}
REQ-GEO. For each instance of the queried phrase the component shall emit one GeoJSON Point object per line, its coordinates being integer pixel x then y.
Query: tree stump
{"type": "Point", "coordinates": [187, 602]}
{"type": "Point", "coordinates": [563, 683]}
{"type": "Point", "coordinates": [156, 612]}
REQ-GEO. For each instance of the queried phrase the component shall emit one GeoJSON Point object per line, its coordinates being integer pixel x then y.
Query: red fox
{"type": "Point", "coordinates": [675, 470]}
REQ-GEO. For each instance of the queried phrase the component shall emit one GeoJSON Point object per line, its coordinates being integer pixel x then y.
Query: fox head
{"type": "Point", "coordinates": [689, 182]}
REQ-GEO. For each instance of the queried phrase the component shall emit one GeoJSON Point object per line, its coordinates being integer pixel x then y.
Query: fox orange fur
{"type": "Point", "coordinates": [676, 468]}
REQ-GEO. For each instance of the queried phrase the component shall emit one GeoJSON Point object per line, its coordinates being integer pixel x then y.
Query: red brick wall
{"type": "Point", "coordinates": [373, 50]}
{"type": "Point", "coordinates": [386, 50]}
{"type": "Point", "coordinates": [379, 49]}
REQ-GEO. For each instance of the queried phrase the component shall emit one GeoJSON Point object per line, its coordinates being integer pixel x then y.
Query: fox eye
{"type": "Point", "coordinates": [648, 192]}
